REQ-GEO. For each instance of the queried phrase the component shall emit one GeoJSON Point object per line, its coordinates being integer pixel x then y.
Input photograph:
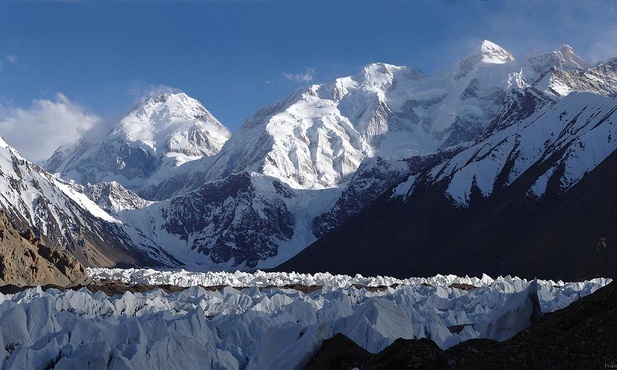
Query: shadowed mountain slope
{"type": "Point", "coordinates": [567, 235]}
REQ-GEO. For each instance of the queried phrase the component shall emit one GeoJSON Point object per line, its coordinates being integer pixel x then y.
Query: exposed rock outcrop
{"type": "Point", "coordinates": [26, 261]}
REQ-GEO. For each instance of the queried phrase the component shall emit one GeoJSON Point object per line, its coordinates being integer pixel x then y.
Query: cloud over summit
{"type": "Point", "coordinates": [38, 130]}
{"type": "Point", "coordinates": [303, 77]}
{"type": "Point", "coordinates": [140, 91]}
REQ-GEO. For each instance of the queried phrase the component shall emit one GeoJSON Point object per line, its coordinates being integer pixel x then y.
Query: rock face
{"type": "Point", "coordinates": [26, 261]}
{"type": "Point", "coordinates": [600, 79]}
{"type": "Point", "coordinates": [372, 178]}
{"type": "Point", "coordinates": [112, 197]}
{"type": "Point", "coordinates": [238, 221]}
{"type": "Point", "coordinates": [236, 217]}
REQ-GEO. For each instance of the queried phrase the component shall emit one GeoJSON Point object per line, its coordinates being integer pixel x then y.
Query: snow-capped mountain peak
{"type": "Point", "coordinates": [318, 136]}
{"type": "Point", "coordinates": [565, 58]}
{"type": "Point", "coordinates": [570, 59]}
{"type": "Point", "coordinates": [173, 123]}
{"type": "Point", "coordinates": [491, 53]}
{"type": "Point", "coordinates": [486, 55]}
{"type": "Point", "coordinates": [158, 135]}
{"type": "Point", "coordinates": [378, 75]}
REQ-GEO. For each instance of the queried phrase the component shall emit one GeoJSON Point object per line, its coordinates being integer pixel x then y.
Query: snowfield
{"type": "Point", "coordinates": [257, 322]}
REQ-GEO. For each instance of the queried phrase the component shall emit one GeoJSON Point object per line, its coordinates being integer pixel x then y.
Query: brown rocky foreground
{"type": "Point", "coordinates": [27, 261]}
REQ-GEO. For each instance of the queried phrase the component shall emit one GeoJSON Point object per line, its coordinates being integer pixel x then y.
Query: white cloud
{"type": "Point", "coordinates": [37, 131]}
{"type": "Point", "coordinates": [12, 58]}
{"type": "Point", "coordinates": [140, 91]}
{"type": "Point", "coordinates": [304, 77]}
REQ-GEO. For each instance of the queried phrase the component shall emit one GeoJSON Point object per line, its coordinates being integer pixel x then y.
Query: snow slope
{"type": "Point", "coordinates": [531, 196]}
{"type": "Point", "coordinates": [249, 327]}
{"type": "Point", "coordinates": [571, 138]}
{"type": "Point", "coordinates": [318, 136]}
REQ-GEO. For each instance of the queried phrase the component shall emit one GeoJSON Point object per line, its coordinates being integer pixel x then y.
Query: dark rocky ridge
{"type": "Point", "coordinates": [581, 336]}
{"type": "Point", "coordinates": [242, 234]}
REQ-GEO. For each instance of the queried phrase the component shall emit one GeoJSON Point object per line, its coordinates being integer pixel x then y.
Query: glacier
{"type": "Point", "coordinates": [250, 320]}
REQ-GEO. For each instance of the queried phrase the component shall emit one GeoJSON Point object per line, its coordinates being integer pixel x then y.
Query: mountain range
{"type": "Point", "coordinates": [493, 165]}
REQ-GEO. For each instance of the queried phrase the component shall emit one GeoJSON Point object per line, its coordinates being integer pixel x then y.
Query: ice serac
{"type": "Point", "coordinates": [518, 312]}
{"type": "Point", "coordinates": [57, 216]}
{"type": "Point", "coordinates": [271, 327]}
{"type": "Point", "coordinates": [158, 135]}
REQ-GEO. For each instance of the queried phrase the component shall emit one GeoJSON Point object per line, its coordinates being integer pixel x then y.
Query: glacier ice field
{"type": "Point", "coordinates": [257, 320]}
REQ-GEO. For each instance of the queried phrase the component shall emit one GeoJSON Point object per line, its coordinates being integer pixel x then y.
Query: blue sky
{"type": "Point", "coordinates": [66, 67]}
